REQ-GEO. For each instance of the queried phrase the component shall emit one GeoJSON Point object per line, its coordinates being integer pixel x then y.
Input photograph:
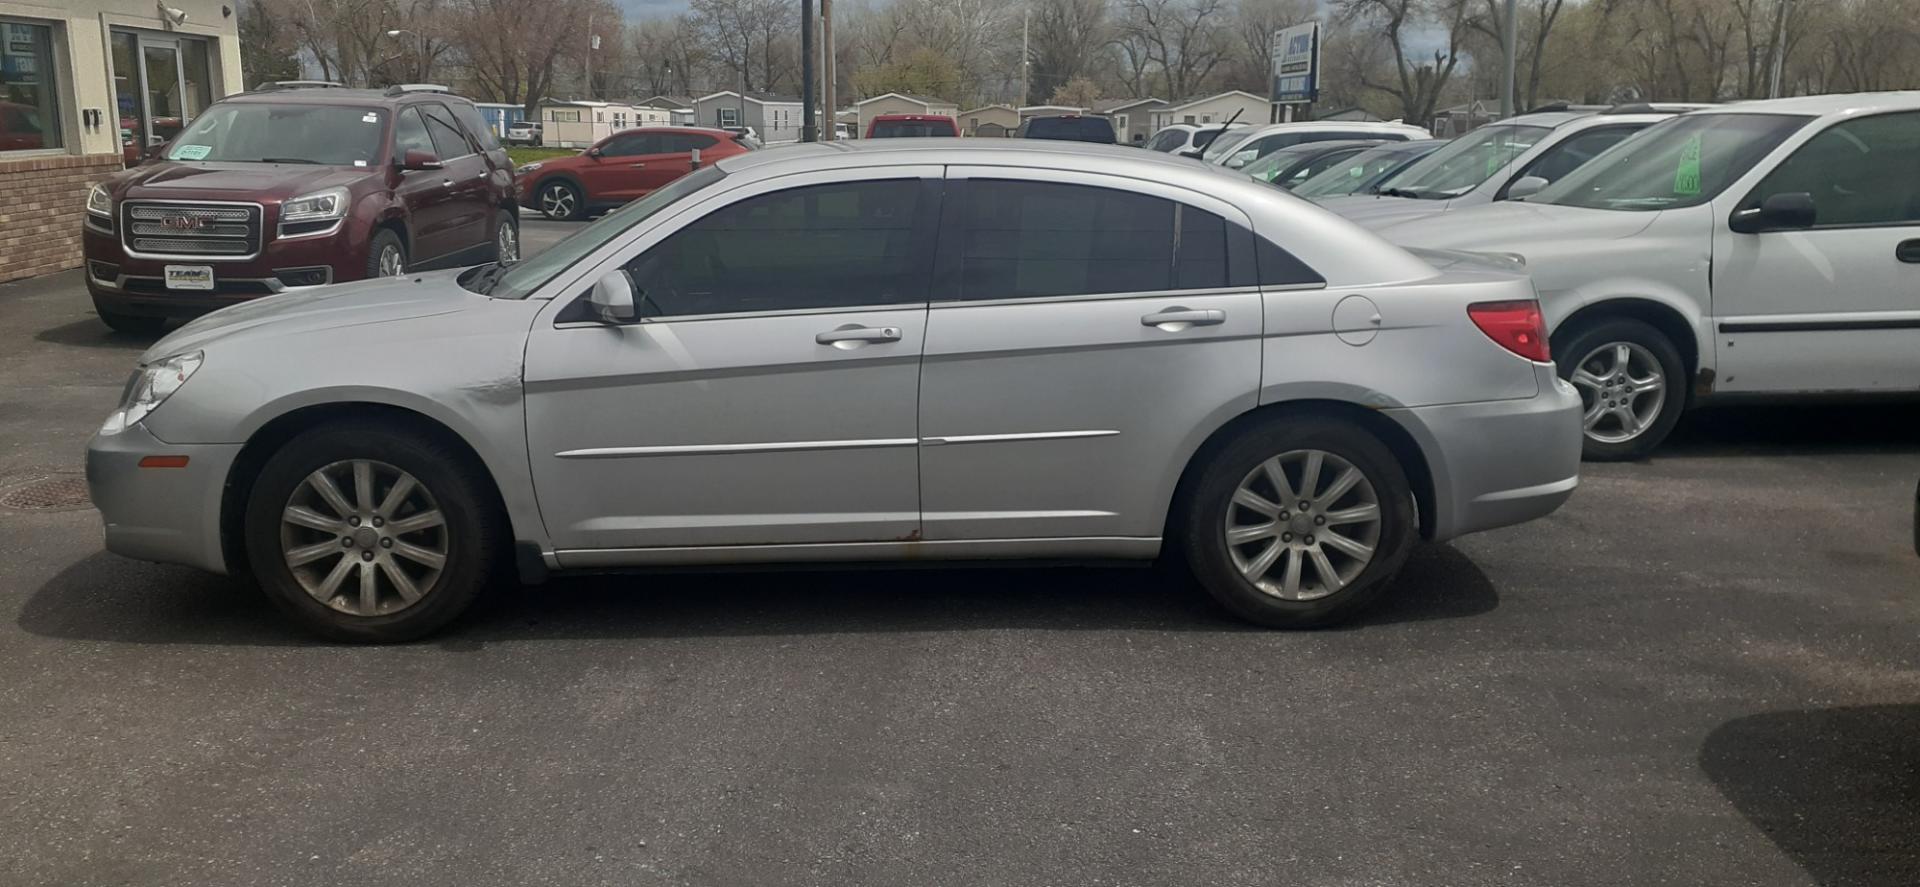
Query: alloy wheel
{"type": "Point", "coordinates": [1621, 389]}
{"type": "Point", "coordinates": [390, 262]}
{"type": "Point", "coordinates": [364, 538]}
{"type": "Point", "coordinates": [507, 243]}
{"type": "Point", "coordinates": [1303, 525]}
{"type": "Point", "coordinates": [556, 201]}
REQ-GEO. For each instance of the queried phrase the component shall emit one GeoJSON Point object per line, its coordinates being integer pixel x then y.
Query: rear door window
{"type": "Point", "coordinates": [447, 138]}
{"type": "Point", "coordinates": [475, 125]}
{"type": "Point", "coordinates": [1024, 239]}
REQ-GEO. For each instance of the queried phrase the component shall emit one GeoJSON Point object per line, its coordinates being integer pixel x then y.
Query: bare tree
{"type": "Point", "coordinates": [1066, 38]}
{"type": "Point", "coordinates": [1537, 18]}
{"type": "Point", "coordinates": [1184, 38]}
{"type": "Point", "coordinates": [1417, 80]}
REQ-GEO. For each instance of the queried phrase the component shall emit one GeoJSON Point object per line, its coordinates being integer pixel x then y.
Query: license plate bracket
{"type": "Point", "coordinates": [189, 277]}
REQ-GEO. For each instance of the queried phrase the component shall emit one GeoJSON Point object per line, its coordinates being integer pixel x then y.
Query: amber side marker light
{"type": "Point", "coordinates": [163, 462]}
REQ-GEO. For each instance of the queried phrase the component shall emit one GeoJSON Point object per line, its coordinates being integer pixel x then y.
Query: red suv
{"type": "Point", "coordinates": [624, 166]}
{"type": "Point", "coordinates": [293, 187]}
{"type": "Point", "coordinates": [899, 126]}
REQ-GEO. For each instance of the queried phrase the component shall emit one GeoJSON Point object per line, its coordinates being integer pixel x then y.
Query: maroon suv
{"type": "Point", "coordinates": [294, 187]}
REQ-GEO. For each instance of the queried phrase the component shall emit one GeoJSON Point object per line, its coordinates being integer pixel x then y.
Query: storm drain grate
{"type": "Point", "coordinates": [57, 492]}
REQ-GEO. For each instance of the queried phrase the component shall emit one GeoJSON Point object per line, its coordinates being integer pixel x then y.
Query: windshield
{"type": "Point", "coordinates": [898, 129]}
{"type": "Point", "coordinates": [1362, 171]}
{"type": "Point", "coordinates": [1466, 161]}
{"type": "Point", "coordinates": [1223, 144]}
{"type": "Point", "coordinates": [1685, 161]}
{"type": "Point", "coordinates": [522, 278]}
{"type": "Point", "coordinates": [1279, 161]}
{"type": "Point", "coordinates": [253, 132]}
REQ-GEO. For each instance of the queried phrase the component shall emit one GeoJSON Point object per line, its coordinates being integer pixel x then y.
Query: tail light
{"type": "Point", "coordinates": [1516, 326]}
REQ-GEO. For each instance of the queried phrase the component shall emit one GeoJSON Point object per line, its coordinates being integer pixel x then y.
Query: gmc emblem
{"type": "Point", "coordinates": [184, 223]}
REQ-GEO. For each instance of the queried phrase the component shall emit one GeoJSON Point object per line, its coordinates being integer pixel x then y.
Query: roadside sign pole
{"type": "Point", "coordinates": [1509, 39]}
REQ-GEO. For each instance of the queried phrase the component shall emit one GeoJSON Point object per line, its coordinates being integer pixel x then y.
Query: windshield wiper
{"type": "Point", "coordinates": [1398, 192]}
{"type": "Point", "coordinates": [489, 277]}
{"type": "Point", "coordinates": [288, 160]}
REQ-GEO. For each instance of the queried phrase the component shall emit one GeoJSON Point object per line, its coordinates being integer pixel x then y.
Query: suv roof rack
{"type": "Point", "coordinates": [404, 88]}
{"type": "Point", "coordinates": [272, 85]}
{"type": "Point", "coordinates": [1655, 107]}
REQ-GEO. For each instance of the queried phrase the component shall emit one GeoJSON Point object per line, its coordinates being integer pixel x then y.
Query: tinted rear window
{"type": "Point", "coordinates": [1079, 129]}
{"type": "Point", "coordinates": [898, 129]}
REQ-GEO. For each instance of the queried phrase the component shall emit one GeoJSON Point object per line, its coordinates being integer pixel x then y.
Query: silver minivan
{"type": "Point", "coordinates": [899, 350]}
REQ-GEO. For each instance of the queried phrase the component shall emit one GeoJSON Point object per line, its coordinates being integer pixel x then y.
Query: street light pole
{"type": "Point", "coordinates": [1509, 40]}
{"type": "Point", "coordinates": [807, 133]}
{"type": "Point", "coordinates": [1779, 51]}
{"type": "Point", "coordinates": [828, 75]}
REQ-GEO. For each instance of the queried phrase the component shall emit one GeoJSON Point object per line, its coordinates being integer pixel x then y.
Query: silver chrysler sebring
{"type": "Point", "coordinates": [915, 349]}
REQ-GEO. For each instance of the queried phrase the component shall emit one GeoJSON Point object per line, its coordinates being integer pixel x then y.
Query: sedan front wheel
{"type": "Point", "coordinates": [368, 533]}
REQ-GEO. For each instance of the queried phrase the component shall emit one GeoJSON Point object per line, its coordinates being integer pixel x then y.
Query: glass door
{"type": "Point", "coordinates": [165, 90]}
{"type": "Point", "coordinates": [160, 83]}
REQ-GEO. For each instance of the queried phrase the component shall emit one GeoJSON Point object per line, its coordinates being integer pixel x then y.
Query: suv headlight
{"type": "Point", "coordinates": [99, 203]}
{"type": "Point", "coordinates": [528, 167]}
{"type": "Point", "coordinates": [320, 206]}
{"type": "Point", "coordinates": [151, 386]}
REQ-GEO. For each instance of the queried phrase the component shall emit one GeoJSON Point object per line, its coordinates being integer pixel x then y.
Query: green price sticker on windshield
{"type": "Point", "coordinates": [1686, 176]}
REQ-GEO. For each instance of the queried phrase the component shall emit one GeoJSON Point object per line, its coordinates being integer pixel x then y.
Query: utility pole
{"type": "Point", "coordinates": [1509, 41]}
{"type": "Point", "coordinates": [588, 65]}
{"type": "Point", "coordinates": [807, 132]}
{"type": "Point", "coordinates": [828, 76]}
{"type": "Point", "coordinates": [1779, 50]}
{"type": "Point", "coordinates": [1026, 61]}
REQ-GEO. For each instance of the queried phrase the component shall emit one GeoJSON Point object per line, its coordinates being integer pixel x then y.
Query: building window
{"type": "Point", "coordinates": [568, 116]}
{"type": "Point", "coordinates": [1120, 122]}
{"type": "Point", "coordinates": [1188, 119]}
{"type": "Point", "coordinates": [729, 116]}
{"type": "Point", "coordinates": [29, 100]}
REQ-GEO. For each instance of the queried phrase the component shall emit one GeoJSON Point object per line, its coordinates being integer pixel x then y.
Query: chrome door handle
{"type": "Point", "coordinates": [1174, 320]}
{"type": "Point", "coordinates": [639, 166]}
{"type": "Point", "coordinates": [853, 335]}
{"type": "Point", "coordinates": [446, 183]}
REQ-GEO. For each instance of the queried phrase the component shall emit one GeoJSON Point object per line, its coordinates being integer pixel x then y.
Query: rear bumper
{"type": "Point", "coordinates": [1498, 463]}
{"type": "Point", "coordinates": [170, 515]}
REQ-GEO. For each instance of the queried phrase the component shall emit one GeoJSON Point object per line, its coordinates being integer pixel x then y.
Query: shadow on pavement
{"type": "Point", "coordinates": [1836, 789]}
{"type": "Point", "coordinates": [107, 598]}
{"type": "Point", "coordinates": [91, 333]}
{"type": "Point", "coordinates": [1890, 427]}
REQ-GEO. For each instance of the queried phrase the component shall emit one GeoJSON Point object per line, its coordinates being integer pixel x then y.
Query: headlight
{"type": "Point", "coordinates": [99, 203]}
{"type": "Point", "coordinates": [319, 206]}
{"type": "Point", "coordinates": [528, 167]}
{"type": "Point", "coordinates": [150, 387]}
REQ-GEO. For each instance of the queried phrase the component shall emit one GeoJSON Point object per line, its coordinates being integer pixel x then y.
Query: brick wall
{"type": "Point", "coordinates": [43, 202]}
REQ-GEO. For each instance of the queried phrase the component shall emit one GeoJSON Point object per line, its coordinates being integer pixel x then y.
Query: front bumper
{"type": "Point", "coordinates": [1498, 463]}
{"type": "Point", "coordinates": [126, 285]}
{"type": "Point", "coordinates": [170, 515]}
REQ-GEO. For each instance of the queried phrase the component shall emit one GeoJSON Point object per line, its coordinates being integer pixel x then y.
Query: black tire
{"type": "Point", "coordinates": [383, 240]}
{"type": "Point", "coordinates": [574, 208]}
{"type": "Point", "coordinates": [473, 534]}
{"type": "Point", "coordinates": [132, 324]}
{"type": "Point", "coordinates": [510, 221]}
{"type": "Point", "coordinates": [1202, 526]}
{"type": "Point", "coordinates": [1587, 341]}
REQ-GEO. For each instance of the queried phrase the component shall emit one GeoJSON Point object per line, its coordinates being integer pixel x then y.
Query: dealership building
{"type": "Point", "coordinates": [85, 85]}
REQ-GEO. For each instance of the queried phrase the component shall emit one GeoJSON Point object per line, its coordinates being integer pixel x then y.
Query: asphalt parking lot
{"type": "Point", "coordinates": [1704, 670]}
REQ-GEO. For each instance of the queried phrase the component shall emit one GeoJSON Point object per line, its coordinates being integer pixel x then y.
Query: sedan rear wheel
{"type": "Point", "coordinates": [1299, 521]}
{"type": "Point", "coordinates": [365, 532]}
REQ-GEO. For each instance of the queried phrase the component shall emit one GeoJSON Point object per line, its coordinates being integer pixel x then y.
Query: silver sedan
{"type": "Point", "coordinates": [911, 349]}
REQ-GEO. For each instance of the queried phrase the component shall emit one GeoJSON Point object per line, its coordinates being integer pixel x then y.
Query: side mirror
{"type": "Point", "coordinates": [612, 299]}
{"type": "Point", "coordinates": [416, 159]}
{"type": "Point", "coordinates": [1525, 187]}
{"type": "Point", "coordinates": [694, 159]}
{"type": "Point", "coordinates": [154, 151]}
{"type": "Point", "coordinates": [593, 153]}
{"type": "Point", "coordinates": [1779, 212]}
{"type": "Point", "coordinates": [1195, 154]}
{"type": "Point", "coordinates": [1239, 160]}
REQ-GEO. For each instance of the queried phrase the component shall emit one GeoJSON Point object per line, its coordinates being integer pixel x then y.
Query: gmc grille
{"type": "Point", "coordinates": [190, 230]}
